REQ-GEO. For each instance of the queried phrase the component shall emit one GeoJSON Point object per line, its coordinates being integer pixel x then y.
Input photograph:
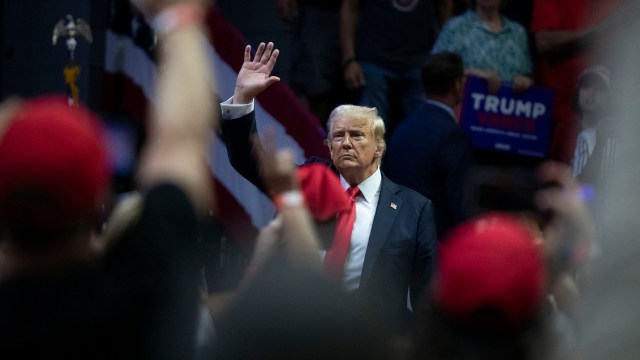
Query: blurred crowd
{"type": "Point", "coordinates": [407, 243]}
{"type": "Point", "coordinates": [371, 53]}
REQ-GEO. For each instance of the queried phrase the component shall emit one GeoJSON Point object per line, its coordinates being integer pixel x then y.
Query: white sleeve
{"type": "Point", "coordinates": [234, 111]}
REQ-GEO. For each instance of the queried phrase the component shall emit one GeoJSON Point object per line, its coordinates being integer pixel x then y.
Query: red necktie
{"type": "Point", "coordinates": [337, 254]}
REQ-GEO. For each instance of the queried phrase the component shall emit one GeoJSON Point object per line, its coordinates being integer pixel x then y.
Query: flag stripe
{"type": "Point", "coordinates": [234, 217]}
{"type": "Point", "coordinates": [124, 96]}
{"type": "Point", "coordinates": [124, 56]}
{"type": "Point", "coordinates": [229, 212]}
{"type": "Point", "coordinates": [279, 101]}
{"type": "Point", "coordinates": [129, 73]}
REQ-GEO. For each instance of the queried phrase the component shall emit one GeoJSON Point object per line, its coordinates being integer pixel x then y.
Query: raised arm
{"type": "Point", "coordinates": [183, 112]}
{"type": "Point", "coordinates": [563, 42]}
{"type": "Point", "coordinates": [554, 41]}
{"type": "Point", "coordinates": [255, 75]}
{"type": "Point", "coordinates": [298, 237]}
{"type": "Point", "coordinates": [176, 182]}
{"type": "Point", "coordinates": [291, 236]}
{"type": "Point", "coordinates": [348, 24]}
{"type": "Point", "coordinates": [239, 121]}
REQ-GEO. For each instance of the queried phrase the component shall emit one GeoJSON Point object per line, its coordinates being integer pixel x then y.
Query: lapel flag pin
{"type": "Point", "coordinates": [394, 206]}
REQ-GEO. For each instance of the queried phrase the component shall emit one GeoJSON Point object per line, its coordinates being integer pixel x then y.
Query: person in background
{"type": "Point", "coordinates": [488, 294]}
{"type": "Point", "coordinates": [491, 46]}
{"type": "Point", "coordinates": [315, 67]}
{"type": "Point", "coordinates": [500, 290]}
{"type": "Point", "coordinates": [595, 156]}
{"type": "Point", "coordinates": [428, 152]}
{"type": "Point", "coordinates": [568, 36]}
{"type": "Point", "coordinates": [384, 43]}
{"type": "Point", "coordinates": [591, 105]}
{"type": "Point", "coordinates": [58, 296]}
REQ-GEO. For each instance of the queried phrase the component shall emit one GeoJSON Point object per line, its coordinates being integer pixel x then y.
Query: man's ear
{"type": "Point", "coordinates": [458, 88]}
{"type": "Point", "coordinates": [379, 152]}
{"type": "Point", "coordinates": [327, 142]}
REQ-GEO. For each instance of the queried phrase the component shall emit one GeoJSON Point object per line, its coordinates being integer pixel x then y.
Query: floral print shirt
{"type": "Point", "coordinates": [505, 52]}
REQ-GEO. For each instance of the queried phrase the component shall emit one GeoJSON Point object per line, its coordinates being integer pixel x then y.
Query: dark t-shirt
{"type": "Point", "coordinates": [140, 302]}
{"type": "Point", "coordinates": [329, 4]}
{"type": "Point", "coordinates": [397, 34]}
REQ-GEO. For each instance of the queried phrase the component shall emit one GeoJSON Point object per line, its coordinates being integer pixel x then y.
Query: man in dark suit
{"type": "Point", "coordinates": [429, 152]}
{"type": "Point", "coordinates": [392, 246]}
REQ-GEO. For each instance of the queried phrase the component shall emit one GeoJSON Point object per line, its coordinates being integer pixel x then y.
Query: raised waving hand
{"type": "Point", "coordinates": [255, 75]}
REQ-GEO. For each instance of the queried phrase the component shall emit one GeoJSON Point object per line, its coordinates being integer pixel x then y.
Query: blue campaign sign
{"type": "Point", "coordinates": [505, 121]}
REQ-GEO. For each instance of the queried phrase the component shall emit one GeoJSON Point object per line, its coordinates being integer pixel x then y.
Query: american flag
{"type": "Point", "coordinates": [129, 72]}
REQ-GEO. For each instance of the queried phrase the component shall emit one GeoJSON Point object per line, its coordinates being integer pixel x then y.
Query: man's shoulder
{"type": "Point", "coordinates": [435, 111]}
{"type": "Point", "coordinates": [405, 193]}
{"type": "Point", "coordinates": [429, 116]}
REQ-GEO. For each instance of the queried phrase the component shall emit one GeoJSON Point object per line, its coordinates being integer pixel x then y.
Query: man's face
{"type": "Point", "coordinates": [592, 97]}
{"type": "Point", "coordinates": [353, 149]}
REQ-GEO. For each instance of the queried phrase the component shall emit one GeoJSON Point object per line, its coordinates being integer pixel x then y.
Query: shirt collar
{"type": "Point", "coordinates": [475, 20]}
{"type": "Point", "coordinates": [442, 106]}
{"type": "Point", "coordinates": [368, 187]}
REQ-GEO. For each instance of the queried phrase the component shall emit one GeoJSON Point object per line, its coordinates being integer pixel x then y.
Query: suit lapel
{"type": "Point", "coordinates": [386, 212]}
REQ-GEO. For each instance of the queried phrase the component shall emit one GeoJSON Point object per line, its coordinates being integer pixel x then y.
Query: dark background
{"type": "Point", "coordinates": [31, 65]}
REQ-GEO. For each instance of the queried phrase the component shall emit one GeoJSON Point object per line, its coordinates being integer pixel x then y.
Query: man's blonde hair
{"type": "Point", "coordinates": [363, 113]}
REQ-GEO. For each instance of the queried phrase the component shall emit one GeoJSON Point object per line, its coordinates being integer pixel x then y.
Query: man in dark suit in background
{"type": "Point", "coordinates": [392, 244]}
{"type": "Point", "coordinates": [429, 152]}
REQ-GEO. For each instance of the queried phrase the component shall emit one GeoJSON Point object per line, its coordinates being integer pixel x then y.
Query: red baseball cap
{"type": "Point", "coordinates": [53, 164]}
{"type": "Point", "coordinates": [492, 265]}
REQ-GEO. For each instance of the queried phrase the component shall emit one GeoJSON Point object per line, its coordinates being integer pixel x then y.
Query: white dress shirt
{"type": "Point", "coordinates": [234, 111]}
{"type": "Point", "coordinates": [366, 204]}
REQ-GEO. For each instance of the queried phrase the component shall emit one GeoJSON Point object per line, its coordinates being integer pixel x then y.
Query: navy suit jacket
{"type": "Point", "coordinates": [429, 153]}
{"type": "Point", "coordinates": [401, 252]}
